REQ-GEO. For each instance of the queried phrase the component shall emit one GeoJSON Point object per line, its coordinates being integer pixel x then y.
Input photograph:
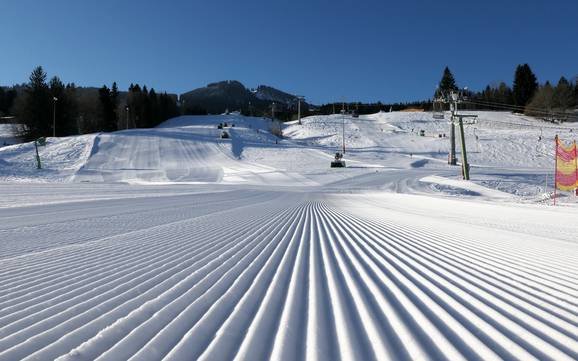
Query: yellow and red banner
{"type": "Point", "coordinates": [566, 177]}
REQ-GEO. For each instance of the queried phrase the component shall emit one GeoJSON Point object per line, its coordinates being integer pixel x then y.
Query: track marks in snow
{"type": "Point", "coordinates": [289, 278]}
{"type": "Point", "coordinates": [43, 228]}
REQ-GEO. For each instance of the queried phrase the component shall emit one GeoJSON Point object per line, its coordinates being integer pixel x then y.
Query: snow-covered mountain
{"type": "Point", "coordinates": [233, 95]}
{"type": "Point", "coordinates": [271, 94]}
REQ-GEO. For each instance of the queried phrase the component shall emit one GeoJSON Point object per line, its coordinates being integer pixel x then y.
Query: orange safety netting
{"type": "Point", "coordinates": [566, 169]}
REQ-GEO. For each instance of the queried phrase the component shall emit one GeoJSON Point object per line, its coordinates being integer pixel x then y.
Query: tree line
{"type": "Point", "coordinates": [526, 95]}
{"type": "Point", "coordinates": [7, 97]}
{"type": "Point", "coordinates": [371, 108]}
{"type": "Point", "coordinates": [42, 103]}
{"type": "Point", "coordinates": [50, 107]}
{"type": "Point", "coordinates": [547, 101]}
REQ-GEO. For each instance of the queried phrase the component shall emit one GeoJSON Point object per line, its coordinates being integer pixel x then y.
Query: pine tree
{"type": "Point", "coordinates": [167, 107]}
{"type": "Point", "coordinates": [154, 108]}
{"type": "Point", "coordinates": [146, 119]}
{"type": "Point", "coordinates": [542, 103]}
{"type": "Point", "coordinates": [576, 91]}
{"type": "Point", "coordinates": [2, 101]}
{"type": "Point", "coordinates": [113, 122]}
{"type": "Point", "coordinates": [35, 108]}
{"type": "Point", "coordinates": [563, 95]}
{"type": "Point", "coordinates": [66, 107]}
{"type": "Point", "coordinates": [525, 85]}
{"type": "Point", "coordinates": [447, 83]}
{"type": "Point", "coordinates": [134, 102]}
{"type": "Point", "coordinates": [73, 109]}
{"type": "Point", "coordinates": [108, 110]}
{"type": "Point", "coordinates": [114, 95]}
{"type": "Point", "coordinates": [504, 94]}
{"type": "Point", "coordinates": [7, 97]}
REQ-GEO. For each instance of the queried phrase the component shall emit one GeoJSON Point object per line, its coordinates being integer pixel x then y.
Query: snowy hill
{"type": "Point", "coordinates": [503, 139]}
{"type": "Point", "coordinates": [507, 152]}
{"type": "Point", "coordinates": [183, 150]}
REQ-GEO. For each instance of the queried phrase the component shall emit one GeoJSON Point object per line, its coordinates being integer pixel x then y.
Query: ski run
{"type": "Point", "coordinates": [173, 244]}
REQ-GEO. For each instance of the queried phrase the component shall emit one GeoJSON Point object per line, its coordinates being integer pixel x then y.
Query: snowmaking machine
{"type": "Point", "coordinates": [338, 162]}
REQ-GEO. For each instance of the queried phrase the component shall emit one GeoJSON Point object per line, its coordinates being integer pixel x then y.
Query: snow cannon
{"type": "Point", "coordinates": [338, 162]}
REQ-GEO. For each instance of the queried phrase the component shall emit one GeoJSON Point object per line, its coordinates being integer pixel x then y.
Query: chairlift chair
{"type": "Point", "coordinates": [438, 109]}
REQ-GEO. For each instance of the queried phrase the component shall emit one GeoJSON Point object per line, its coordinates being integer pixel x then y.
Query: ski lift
{"type": "Point", "coordinates": [438, 109]}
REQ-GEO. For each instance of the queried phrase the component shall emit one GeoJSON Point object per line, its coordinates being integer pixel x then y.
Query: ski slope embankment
{"type": "Point", "coordinates": [185, 150]}
{"type": "Point", "coordinates": [60, 159]}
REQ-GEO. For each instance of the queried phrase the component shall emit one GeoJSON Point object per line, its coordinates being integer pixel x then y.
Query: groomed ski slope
{"type": "Point", "coordinates": [173, 244]}
{"type": "Point", "coordinates": [277, 275]}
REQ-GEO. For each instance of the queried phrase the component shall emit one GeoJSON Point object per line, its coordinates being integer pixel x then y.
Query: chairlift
{"type": "Point", "coordinates": [438, 109]}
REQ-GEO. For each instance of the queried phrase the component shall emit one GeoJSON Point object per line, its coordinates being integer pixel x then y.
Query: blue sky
{"type": "Point", "coordinates": [325, 50]}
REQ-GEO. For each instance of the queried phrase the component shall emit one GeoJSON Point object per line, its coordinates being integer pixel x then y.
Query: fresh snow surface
{"type": "Point", "coordinates": [8, 134]}
{"type": "Point", "coordinates": [173, 244]}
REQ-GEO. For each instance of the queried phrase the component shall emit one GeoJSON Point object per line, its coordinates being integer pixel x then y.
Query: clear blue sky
{"type": "Point", "coordinates": [325, 50]}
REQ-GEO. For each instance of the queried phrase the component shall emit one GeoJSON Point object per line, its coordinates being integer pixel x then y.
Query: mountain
{"type": "Point", "coordinates": [217, 97]}
{"type": "Point", "coordinates": [271, 94]}
{"type": "Point", "coordinates": [233, 95]}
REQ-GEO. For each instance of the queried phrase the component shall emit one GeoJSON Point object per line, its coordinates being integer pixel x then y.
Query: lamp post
{"type": "Point", "coordinates": [54, 99]}
{"type": "Point", "coordinates": [343, 125]}
{"type": "Point", "coordinates": [127, 108]}
{"type": "Point", "coordinates": [299, 99]}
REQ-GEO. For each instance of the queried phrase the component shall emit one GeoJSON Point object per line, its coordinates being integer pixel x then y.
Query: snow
{"type": "Point", "coordinates": [8, 134]}
{"type": "Point", "coordinates": [60, 159]}
{"type": "Point", "coordinates": [171, 243]}
{"type": "Point", "coordinates": [187, 150]}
